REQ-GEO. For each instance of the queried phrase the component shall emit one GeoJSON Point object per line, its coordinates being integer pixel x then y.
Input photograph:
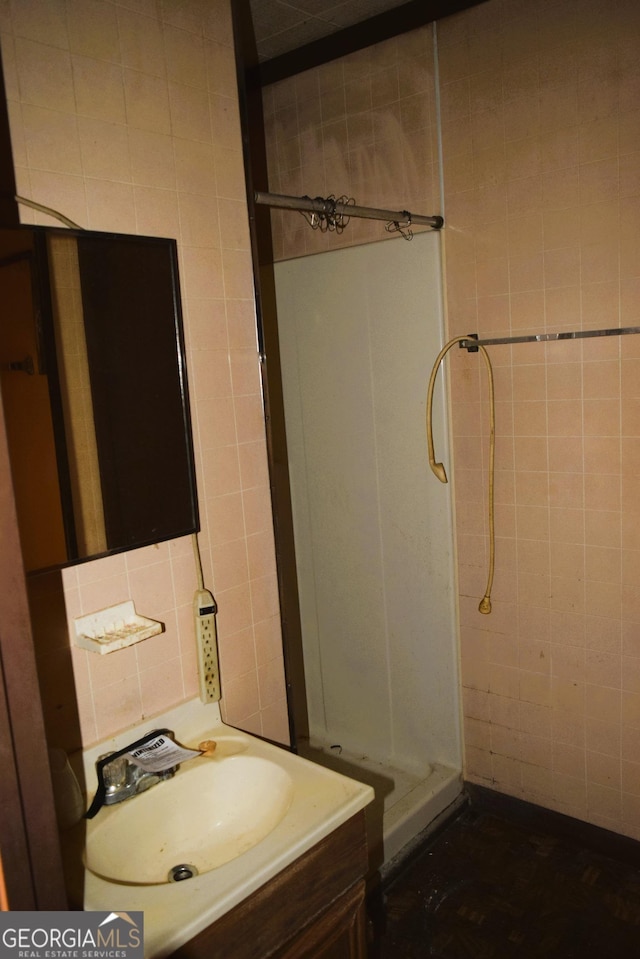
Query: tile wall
{"type": "Point", "coordinates": [361, 127]}
{"type": "Point", "coordinates": [540, 127]}
{"type": "Point", "coordinates": [124, 117]}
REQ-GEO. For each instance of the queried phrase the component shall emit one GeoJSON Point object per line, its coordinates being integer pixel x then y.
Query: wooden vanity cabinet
{"type": "Point", "coordinates": [313, 909]}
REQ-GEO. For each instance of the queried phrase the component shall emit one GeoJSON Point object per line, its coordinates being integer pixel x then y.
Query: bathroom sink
{"type": "Point", "coordinates": [240, 817]}
{"type": "Point", "coordinates": [212, 811]}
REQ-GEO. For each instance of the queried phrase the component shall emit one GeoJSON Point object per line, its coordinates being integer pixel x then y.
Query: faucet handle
{"type": "Point", "coordinates": [114, 771]}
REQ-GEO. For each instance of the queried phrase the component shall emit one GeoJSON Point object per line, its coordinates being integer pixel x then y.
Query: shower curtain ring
{"type": "Point", "coordinates": [402, 227]}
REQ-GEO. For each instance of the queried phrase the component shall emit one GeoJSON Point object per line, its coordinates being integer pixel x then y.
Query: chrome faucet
{"type": "Point", "coordinates": [120, 778]}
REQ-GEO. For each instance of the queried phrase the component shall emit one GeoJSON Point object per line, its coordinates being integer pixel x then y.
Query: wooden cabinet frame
{"type": "Point", "coordinates": [29, 845]}
{"type": "Point", "coordinates": [30, 862]}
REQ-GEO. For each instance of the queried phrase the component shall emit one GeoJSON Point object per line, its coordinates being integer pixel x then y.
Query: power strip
{"type": "Point", "coordinates": [205, 609]}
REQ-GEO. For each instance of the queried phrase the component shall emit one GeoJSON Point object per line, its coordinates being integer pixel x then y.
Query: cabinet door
{"type": "Point", "coordinates": [339, 933]}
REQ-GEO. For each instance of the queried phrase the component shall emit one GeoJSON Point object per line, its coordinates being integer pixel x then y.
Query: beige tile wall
{"type": "Point", "coordinates": [361, 127]}
{"type": "Point", "coordinates": [124, 117]}
{"type": "Point", "coordinates": [541, 141]}
{"type": "Point", "coordinates": [540, 124]}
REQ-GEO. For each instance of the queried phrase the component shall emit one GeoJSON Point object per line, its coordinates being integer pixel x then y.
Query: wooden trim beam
{"type": "Point", "coordinates": [402, 19]}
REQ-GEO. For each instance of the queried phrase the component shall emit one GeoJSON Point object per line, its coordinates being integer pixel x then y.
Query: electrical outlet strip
{"type": "Point", "coordinates": [205, 609]}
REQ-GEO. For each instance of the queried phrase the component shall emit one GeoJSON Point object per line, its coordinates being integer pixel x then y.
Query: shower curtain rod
{"type": "Point", "coordinates": [472, 343]}
{"type": "Point", "coordinates": [330, 207]}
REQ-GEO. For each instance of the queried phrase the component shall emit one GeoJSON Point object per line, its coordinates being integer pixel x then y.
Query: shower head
{"type": "Point", "coordinates": [439, 471]}
{"type": "Point", "coordinates": [485, 605]}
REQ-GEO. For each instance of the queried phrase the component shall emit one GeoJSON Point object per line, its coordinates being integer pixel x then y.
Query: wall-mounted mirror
{"type": "Point", "coordinates": [93, 376]}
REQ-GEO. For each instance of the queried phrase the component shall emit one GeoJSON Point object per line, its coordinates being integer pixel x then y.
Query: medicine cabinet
{"type": "Point", "coordinates": [94, 386]}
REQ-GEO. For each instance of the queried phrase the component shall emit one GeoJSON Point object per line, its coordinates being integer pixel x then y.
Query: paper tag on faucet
{"type": "Point", "coordinates": [160, 753]}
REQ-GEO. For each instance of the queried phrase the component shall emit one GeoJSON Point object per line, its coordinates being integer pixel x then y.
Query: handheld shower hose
{"type": "Point", "coordinates": [439, 470]}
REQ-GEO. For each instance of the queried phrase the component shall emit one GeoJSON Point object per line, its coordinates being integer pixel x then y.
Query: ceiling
{"type": "Point", "coordinates": [285, 25]}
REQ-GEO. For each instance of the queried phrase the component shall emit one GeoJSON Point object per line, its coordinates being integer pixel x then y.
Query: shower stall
{"type": "Point", "coordinates": [359, 329]}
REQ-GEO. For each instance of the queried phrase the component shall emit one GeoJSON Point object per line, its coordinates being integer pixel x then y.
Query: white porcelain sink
{"type": "Point", "coordinates": [213, 810]}
{"type": "Point", "coordinates": [239, 817]}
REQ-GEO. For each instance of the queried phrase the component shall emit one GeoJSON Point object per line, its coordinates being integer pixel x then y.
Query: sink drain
{"type": "Point", "coordinates": [183, 871]}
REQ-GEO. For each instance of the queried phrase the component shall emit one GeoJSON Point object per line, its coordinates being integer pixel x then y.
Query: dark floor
{"type": "Point", "coordinates": [490, 888]}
